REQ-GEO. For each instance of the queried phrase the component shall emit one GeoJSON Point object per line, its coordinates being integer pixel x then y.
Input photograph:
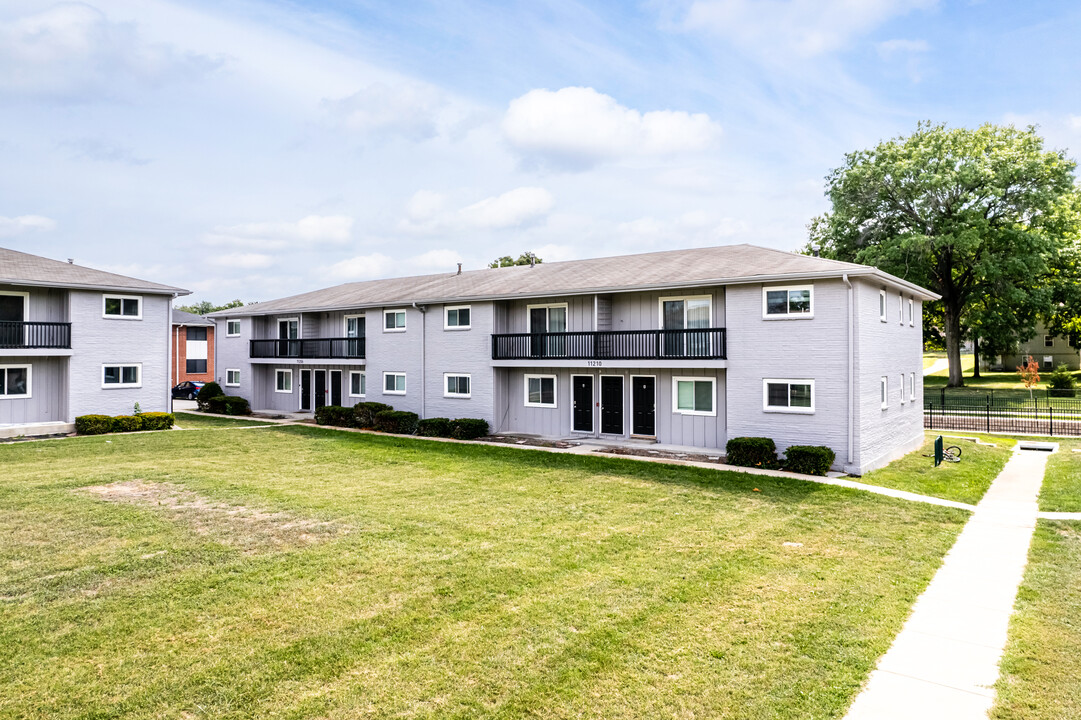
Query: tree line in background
{"type": "Point", "coordinates": [987, 218]}
{"type": "Point", "coordinates": [206, 307]}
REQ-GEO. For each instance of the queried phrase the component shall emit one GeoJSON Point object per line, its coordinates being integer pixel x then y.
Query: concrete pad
{"type": "Point", "coordinates": [924, 700]}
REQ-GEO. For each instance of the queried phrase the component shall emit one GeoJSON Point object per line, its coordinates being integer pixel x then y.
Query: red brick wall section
{"type": "Point", "coordinates": [180, 359]}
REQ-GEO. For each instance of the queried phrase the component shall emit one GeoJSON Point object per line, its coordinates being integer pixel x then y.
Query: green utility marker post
{"type": "Point", "coordinates": [938, 451]}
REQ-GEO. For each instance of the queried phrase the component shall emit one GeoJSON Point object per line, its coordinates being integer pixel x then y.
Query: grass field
{"type": "Point", "coordinates": [1061, 491]}
{"type": "Point", "coordinates": [300, 572]}
{"type": "Point", "coordinates": [1041, 670]}
{"type": "Point", "coordinates": [987, 381]}
{"type": "Point", "coordinates": [194, 421]}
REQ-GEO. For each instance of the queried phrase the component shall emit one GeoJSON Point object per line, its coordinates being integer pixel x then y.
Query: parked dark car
{"type": "Point", "coordinates": [187, 390]}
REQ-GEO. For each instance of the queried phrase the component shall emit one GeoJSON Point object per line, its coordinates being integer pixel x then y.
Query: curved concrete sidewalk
{"type": "Point", "coordinates": [944, 662]}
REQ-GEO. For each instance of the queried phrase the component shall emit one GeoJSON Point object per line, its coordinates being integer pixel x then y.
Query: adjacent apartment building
{"type": "Point", "coordinates": [687, 347]}
{"type": "Point", "coordinates": [1049, 351]}
{"type": "Point", "coordinates": [193, 348]}
{"type": "Point", "coordinates": [76, 341]}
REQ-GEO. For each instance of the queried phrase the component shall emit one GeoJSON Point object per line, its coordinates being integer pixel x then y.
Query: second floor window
{"type": "Point", "coordinates": [394, 320]}
{"type": "Point", "coordinates": [123, 306]}
{"type": "Point", "coordinates": [197, 334]}
{"type": "Point", "coordinates": [232, 328]}
{"type": "Point", "coordinates": [796, 301]}
{"type": "Point", "coordinates": [457, 318]}
{"type": "Point", "coordinates": [354, 326]}
{"type": "Point", "coordinates": [686, 315]}
{"type": "Point", "coordinates": [288, 329]}
{"type": "Point", "coordinates": [543, 321]}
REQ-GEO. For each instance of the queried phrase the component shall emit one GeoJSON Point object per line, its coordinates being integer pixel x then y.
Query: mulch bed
{"type": "Point", "coordinates": [528, 441]}
{"type": "Point", "coordinates": [663, 454]}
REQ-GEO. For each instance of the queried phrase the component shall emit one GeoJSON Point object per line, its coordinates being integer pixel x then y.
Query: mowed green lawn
{"type": "Point", "coordinates": [301, 572]}
{"type": "Point", "coordinates": [197, 421]}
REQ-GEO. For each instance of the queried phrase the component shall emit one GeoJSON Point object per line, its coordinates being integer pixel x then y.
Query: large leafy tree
{"type": "Point", "coordinates": [206, 307]}
{"type": "Point", "coordinates": [974, 215]}
{"type": "Point", "coordinates": [526, 258]}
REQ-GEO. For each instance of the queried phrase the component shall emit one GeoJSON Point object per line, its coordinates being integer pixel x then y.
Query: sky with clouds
{"type": "Point", "coordinates": [256, 149]}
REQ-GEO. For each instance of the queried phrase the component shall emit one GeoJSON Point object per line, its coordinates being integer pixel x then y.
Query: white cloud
{"type": "Point", "coordinates": [580, 127]}
{"type": "Point", "coordinates": [362, 267]}
{"type": "Point", "coordinates": [247, 261]}
{"type": "Point", "coordinates": [804, 28]}
{"type": "Point", "coordinates": [407, 110]}
{"type": "Point", "coordinates": [12, 226]}
{"type": "Point", "coordinates": [899, 46]}
{"type": "Point", "coordinates": [514, 207]}
{"type": "Point", "coordinates": [311, 230]}
{"type": "Point", "coordinates": [557, 253]}
{"type": "Point", "coordinates": [436, 261]}
{"type": "Point", "coordinates": [425, 205]}
{"type": "Point", "coordinates": [72, 52]}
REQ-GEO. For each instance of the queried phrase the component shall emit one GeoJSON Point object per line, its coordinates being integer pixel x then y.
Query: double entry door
{"type": "Point", "coordinates": [584, 405]}
{"type": "Point", "coordinates": [319, 388]}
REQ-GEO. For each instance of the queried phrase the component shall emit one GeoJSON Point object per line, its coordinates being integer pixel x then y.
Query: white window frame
{"type": "Point", "coordinates": [1045, 341]}
{"type": "Point", "coordinates": [766, 289]}
{"type": "Point", "coordinates": [26, 312]}
{"type": "Point", "coordinates": [912, 386]}
{"type": "Point", "coordinates": [29, 379]}
{"type": "Point", "coordinates": [662, 300]}
{"type": "Point", "coordinates": [555, 390]}
{"type": "Point", "coordinates": [405, 320]}
{"type": "Point", "coordinates": [911, 313]}
{"type": "Point", "coordinates": [278, 328]}
{"type": "Point", "coordinates": [688, 378]}
{"type": "Point", "coordinates": [110, 296]}
{"type": "Point", "coordinates": [529, 319]}
{"type": "Point", "coordinates": [1048, 362]}
{"type": "Point", "coordinates": [902, 388]}
{"type": "Point", "coordinates": [345, 325]}
{"type": "Point", "coordinates": [446, 318]}
{"type": "Point", "coordinates": [882, 306]}
{"type": "Point", "coordinates": [448, 394]}
{"type": "Point", "coordinates": [884, 391]}
{"type": "Point", "coordinates": [405, 383]}
{"type": "Point", "coordinates": [278, 372]}
{"type": "Point", "coordinates": [363, 383]}
{"type": "Point", "coordinates": [232, 370]}
{"type": "Point", "coordinates": [900, 309]}
{"type": "Point", "coordinates": [229, 322]}
{"type": "Point", "coordinates": [766, 407]}
{"type": "Point", "coordinates": [122, 385]}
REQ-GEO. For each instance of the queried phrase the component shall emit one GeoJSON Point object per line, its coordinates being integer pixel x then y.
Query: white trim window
{"type": "Point", "coordinates": [788, 302]}
{"type": "Point", "coordinates": [457, 385]}
{"type": "Point", "coordinates": [1048, 341]}
{"type": "Point", "coordinates": [694, 396]}
{"type": "Point", "coordinates": [900, 309]}
{"type": "Point", "coordinates": [882, 305]}
{"type": "Point", "coordinates": [122, 376]}
{"type": "Point", "coordinates": [911, 313]}
{"type": "Point", "coordinates": [540, 391]}
{"type": "Point", "coordinates": [688, 312]}
{"type": "Point", "coordinates": [885, 391]}
{"type": "Point", "coordinates": [232, 328]}
{"type": "Point", "coordinates": [283, 381]}
{"type": "Point", "coordinates": [232, 377]}
{"type": "Point", "coordinates": [358, 383]}
{"type": "Point", "coordinates": [912, 387]}
{"type": "Point", "coordinates": [456, 317]}
{"type": "Point", "coordinates": [394, 383]}
{"type": "Point", "coordinates": [289, 328]}
{"type": "Point", "coordinates": [16, 382]}
{"type": "Point", "coordinates": [788, 395]}
{"type": "Point", "coordinates": [122, 307]}
{"type": "Point", "coordinates": [902, 386]}
{"type": "Point", "coordinates": [393, 321]}
{"type": "Point", "coordinates": [354, 326]}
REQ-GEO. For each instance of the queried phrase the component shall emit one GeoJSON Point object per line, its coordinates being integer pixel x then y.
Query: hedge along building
{"type": "Point", "coordinates": [77, 341]}
{"type": "Point", "coordinates": [686, 347]}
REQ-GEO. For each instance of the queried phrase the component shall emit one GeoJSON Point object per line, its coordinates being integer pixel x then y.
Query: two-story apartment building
{"type": "Point", "coordinates": [686, 347]}
{"type": "Point", "coordinates": [193, 348]}
{"type": "Point", "coordinates": [77, 341]}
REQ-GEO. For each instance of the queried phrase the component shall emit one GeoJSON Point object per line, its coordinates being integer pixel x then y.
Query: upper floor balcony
{"type": "Point", "coordinates": [309, 349]}
{"type": "Point", "coordinates": [696, 344]}
{"type": "Point", "coordinates": [35, 335]}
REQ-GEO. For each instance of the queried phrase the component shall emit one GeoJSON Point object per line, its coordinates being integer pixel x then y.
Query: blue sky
{"type": "Point", "coordinates": [257, 149]}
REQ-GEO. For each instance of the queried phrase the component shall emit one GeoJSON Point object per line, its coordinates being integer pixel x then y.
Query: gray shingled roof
{"type": "Point", "coordinates": [731, 264]}
{"type": "Point", "coordinates": [186, 318]}
{"type": "Point", "coordinates": [19, 268]}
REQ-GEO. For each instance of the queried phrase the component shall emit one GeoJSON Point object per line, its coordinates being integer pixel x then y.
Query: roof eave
{"type": "Point", "coordinates": [164, 290]}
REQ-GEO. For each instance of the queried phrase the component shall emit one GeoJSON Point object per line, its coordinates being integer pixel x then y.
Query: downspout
{"type": "Point", "coordinates": [423, 364]}
{"type": "Point", "coordinates": [851, 374]}
{"type": "Point", "coordinates": [169, 351]}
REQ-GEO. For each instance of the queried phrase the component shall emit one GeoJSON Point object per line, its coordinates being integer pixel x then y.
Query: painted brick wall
{"type": "Point", "coordinates": [178, 367]}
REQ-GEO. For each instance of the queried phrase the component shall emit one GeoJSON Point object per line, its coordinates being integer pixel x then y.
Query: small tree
{"type": "Point", "coordinates": [1061, 379]}
{"type": "Point", "coordinates": [1030, 375]}
{"type": "Point", "coordinates": [526, 258]}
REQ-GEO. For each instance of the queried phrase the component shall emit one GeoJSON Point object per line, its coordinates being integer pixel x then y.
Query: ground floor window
{"type": "Point", "coordinates": [694, 396]}
{"type": "Point", "coordinates": [885, 394]}
{"type": "Point", "coordinates": [540, 391]}
{"type": "Point", "coordinates": [14, 381]}
{"type": "Point", "coordinates": [456, 385]}
{"type": "Point", "coordinates": [283, 381]}
{"type": "Point", "coordinates": [393, 383]}
{"type": "Point", "coordinates": [232, 378]}
{"type": "Point", "coordinates": [912, 387]}
{"type": "Point", "coordinates": [357, 384]}
{"type": "Point", "coordinates": [196, 366]}
{"type": "Point", "coordinates": [121, 376]}
{"type": "Point", "coordinates": [796, 396]}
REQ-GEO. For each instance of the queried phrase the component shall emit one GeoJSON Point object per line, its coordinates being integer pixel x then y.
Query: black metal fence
{"type": "Point", "coordinates": [1005, 417]}
{"type": "Point", "coordinates": [35, 335]}
{"type": "Point", "coordinates": [1013, 399]}
{"type": "Point", "coordinates": [707, 343]}
{"type": "Point", "coordinates": [309, 349]}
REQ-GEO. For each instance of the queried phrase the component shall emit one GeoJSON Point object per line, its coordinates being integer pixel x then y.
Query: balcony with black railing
{"type": "Point", "coordinates": [309, 349]}
{"type": "Point", "coordinates": [696, 344]}
{"type": "Point", "coordinates": [35, 335]}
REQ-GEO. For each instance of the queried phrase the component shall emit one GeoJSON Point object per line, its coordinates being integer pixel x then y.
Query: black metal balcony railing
{"type": "Point", "coordinates": [35, 336]}
{"type": "Point", "coordinates": [309, 349]}
{"type": "Point", "coordinates": [705, 343]}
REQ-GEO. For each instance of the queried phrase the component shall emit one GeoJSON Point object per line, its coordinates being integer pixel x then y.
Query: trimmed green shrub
{"type": "Point", "coordinates": [236, 405]}
{"type": "Point", "coordinates": [157, 420]}
{"type": "Point", "coordinates": [364, 413]}
{"type": "Point", "coordinates": [469, 428]}
{"type": "Point", "coordinates": [127, 423]}
{"type": "Point", "coordinates": [93, 424]}
{"type": "Point", "coordinates": [208, 391]}
{"type": "Point", "coordinates": [335, 415]}
{"type": "Point", "coordinates": [751, 452]}
{"type": "Point", "coordinates": [1061, 382]}
{"type": "Point", "coordinates": [215, 404]}
{"type": "Point", "coordinates": [435, 427]}
{"type": "Point", "coordinates": [809, 459]}
{"type": "Point", "coordinates": [399, 422]}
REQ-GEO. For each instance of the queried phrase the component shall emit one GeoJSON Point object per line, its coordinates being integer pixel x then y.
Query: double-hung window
{"type": "Point", "coordinates": [232, 328]}
{"type": "Point", "coordinates": [694, 396]}
{"type": "Point", "coordinates": [14, 381]}
{"type": "Point", "coordinates": [902, 386]}
{"type": "Point", "coordinates": [911, 313]}
{"type": "Point", "coordinates": [685, 322]}
{"type": "Point", "coordinates": [232, 378]}
{"type": "Point", "coordinates": [393, 383]}
{"type": "Point", "coordinates": [394, 321]}
{"type": "Point", "coordinates": [540, 391]}
{"type": "Point", "coordinates": [792, 396]}
{"type": "Point", "coordinates": [283, 381]}
{"type": "Point", "coordinates": [119, 376]}
{"type": "Point", "coordinates": [1049, 341]}
{"type": "Point", "coordinates": [456, 317]}
{"type": "Point", "coordinates": [358, 382]}
{"type": "Point", "coordinates": [885, 391]}
{"type": "Point", "coordinates": [900, 309]}
{"type": "Point", "coordinates": [126, 307]}
{"type": "Point", "coordinates": [882, 305]}
{"type": "Point", "coordinates": [456, 385]}
{"type": "Point", "coordinates": [789, 302]}
{"type": "Point", "coordinates": [912, 387]}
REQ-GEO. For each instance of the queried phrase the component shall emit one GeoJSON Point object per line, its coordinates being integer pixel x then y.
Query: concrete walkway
{"type": "Point", "coordinates": [944, 662]}
{"type": "Point", "coordinates": [937, 366]}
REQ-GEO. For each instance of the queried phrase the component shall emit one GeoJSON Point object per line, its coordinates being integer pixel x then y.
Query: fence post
{"type": "Point", "coordinates": [988, 413]}
{"type": "Point", "coordinates": [1050, 420]}
{"type": "Point", "coordinates": [931, 414]}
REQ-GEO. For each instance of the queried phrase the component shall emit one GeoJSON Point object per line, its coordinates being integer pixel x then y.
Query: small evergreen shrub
{"type": "Point", "coordinates": [751, 452]}
{"type": "Point", "coordinates": [399, 422]}
{"type": "Point", "coordinates": [157, 420]}
{"type": "Point", "coordinates": [469, 428]}
{"type": "Point", "coordinates": [809, 459]}
{"type": "Point", "coordinates": [215, 404]}
{"type": "Point", "coordinates": [435, 427]}
{"type": "Point", "coordinates": [1061, 382]}
{"type": "Point", "coordinates": [208, 391]}
{"type": "Point", "coordinates": [93, 424]}
{"type": "Point", "coordinates": [364, 413]}
{"type": "Point", "coordinates": [335, 415]}
{"type": "Point", "coordinates": [235, 405]}
{"type": "Point", "coordinates": [127, 423]}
